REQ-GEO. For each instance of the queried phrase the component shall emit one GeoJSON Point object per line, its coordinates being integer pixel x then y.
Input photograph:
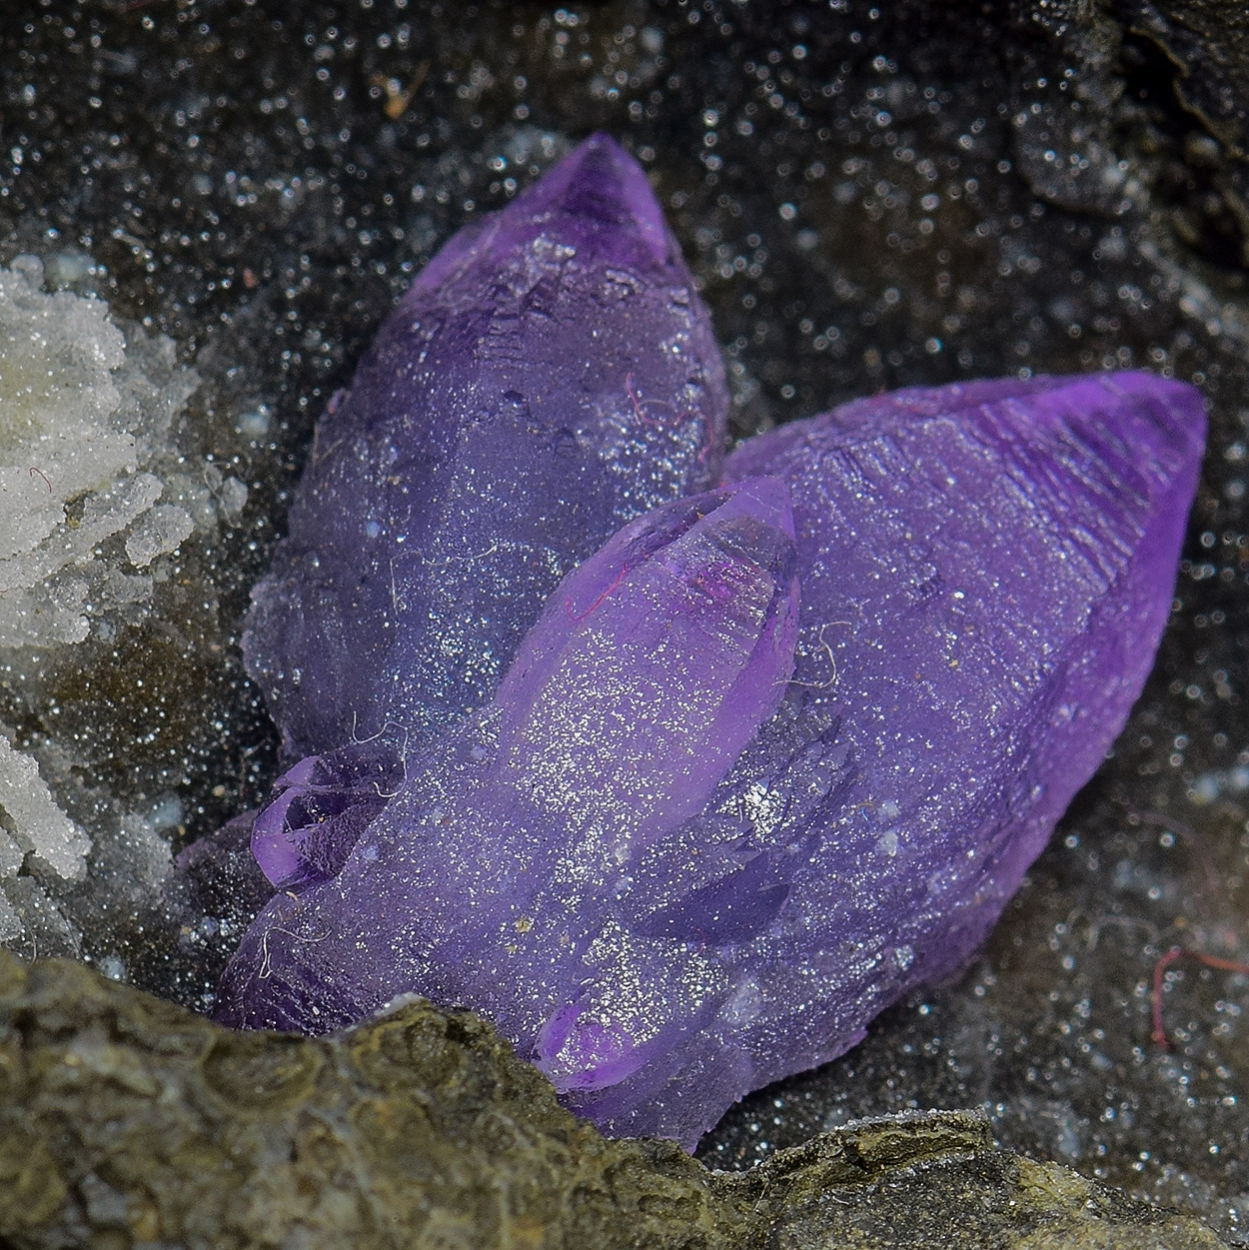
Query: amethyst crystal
{"type": "Point", "coordinates": [320, 808]}
{"type": "Point", "coordinates": [484, 880]}
{"type": "Point", "coordinates": [702, 832]}
{"type": "Point", "coordinates": [985, 571]}
{"type": "Point", "coordinates": [550, 375]}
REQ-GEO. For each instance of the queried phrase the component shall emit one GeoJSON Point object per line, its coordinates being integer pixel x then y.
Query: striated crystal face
{"type": "Point", "coordinates": [769, 757]}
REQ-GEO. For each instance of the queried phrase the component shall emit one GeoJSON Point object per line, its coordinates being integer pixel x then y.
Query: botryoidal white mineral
{"type": "Point", "coordinates": [93, 491]}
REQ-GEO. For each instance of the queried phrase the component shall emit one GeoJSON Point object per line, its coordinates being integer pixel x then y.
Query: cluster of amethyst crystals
{"type": "Point", "coordinates": [677, 769]}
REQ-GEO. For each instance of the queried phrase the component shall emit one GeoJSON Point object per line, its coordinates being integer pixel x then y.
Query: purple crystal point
{"type": "Point", "coordinates": [985, 574]}
{"type": "Point", "coordinates": [596, 198]}
{"type": "Point", "coordinates": [489, 879]}
{"type": "Point", "coordinates": [320, 808]}
{"type": "Point", "coordinates": [657, 660]}
{"type": "Point", "coordinates": [550, 375]}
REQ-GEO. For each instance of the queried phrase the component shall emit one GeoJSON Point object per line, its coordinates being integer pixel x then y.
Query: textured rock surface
{"type": "Point", "coordinates": [985, 571]}
{"type": "Point", "coordinates": [550, 375]}
{"type": "Point", "coordinates": [1208, 45]}
{"type": "Point", "coordinates": [126, 1121]}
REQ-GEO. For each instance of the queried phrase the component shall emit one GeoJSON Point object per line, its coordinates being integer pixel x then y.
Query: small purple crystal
{"type": "Point", "coordinates": [550, 375]}
{"type": "Point", "coordinates": [700, 833]}
{"type": "Point", "coordinates": [320, 808]}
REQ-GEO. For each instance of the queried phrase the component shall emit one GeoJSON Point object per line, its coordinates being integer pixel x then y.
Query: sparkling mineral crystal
{"type": "Point", "coordinates": [484, 879]}
{"type": "Point", "coordinates": [550, 375]}
{"type": "Point", "coordinates": [664, 908]}
{"type": "Point", "coordinates": [772, 756]}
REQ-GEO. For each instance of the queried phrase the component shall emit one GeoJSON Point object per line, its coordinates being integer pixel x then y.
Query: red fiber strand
{"type": "Point", "coordinates": [639, 406]}
{"type": "Point", "coordinates": [1179, 952]}
{"type": "Point", "coordinates": [568, 602]}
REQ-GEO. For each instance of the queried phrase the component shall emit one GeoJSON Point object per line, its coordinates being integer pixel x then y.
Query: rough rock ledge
{"type": "Point", "coordinates": [126, 1121]}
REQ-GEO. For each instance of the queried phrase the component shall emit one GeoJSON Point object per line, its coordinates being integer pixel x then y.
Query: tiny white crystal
{"type": "Point", "coordinates": [33, 821]}
{"type": "Point", "coordinates": [93, 489]}
{"type": "Point", "coordinates": [85, 418]}
{"type": "Point", "coordinates": [10, 922]}
{"type": "Point", "coordinates": [161, 531]}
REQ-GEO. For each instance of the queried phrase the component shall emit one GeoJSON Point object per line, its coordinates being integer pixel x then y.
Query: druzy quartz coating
{"type": "Point", "coordinates": [774, 754]}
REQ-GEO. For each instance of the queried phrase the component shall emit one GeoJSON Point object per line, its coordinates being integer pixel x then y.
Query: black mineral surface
{"type": "Point", "coordinates": [871, 195]}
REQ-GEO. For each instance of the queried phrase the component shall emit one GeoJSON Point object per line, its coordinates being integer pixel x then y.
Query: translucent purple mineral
{"type": "Point", "coordinates": [550, 375]}
{"type": "Point", "coordinates": [772, 755]}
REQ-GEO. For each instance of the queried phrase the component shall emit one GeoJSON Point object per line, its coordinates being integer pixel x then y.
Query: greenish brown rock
{"type": "Point", "coordinates": [127, 1121]}
{"type": "Point", "coordinates": [935, 1180]}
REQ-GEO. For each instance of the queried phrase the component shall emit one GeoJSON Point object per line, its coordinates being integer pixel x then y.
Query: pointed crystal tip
{"type": "Point", "coordinates": [599, 180]}
{"type": "Point", "coordinates": [597, 198]}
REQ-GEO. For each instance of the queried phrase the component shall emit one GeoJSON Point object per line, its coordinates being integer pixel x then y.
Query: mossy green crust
{"type": "Point", "coordinates": [128, 1122]}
